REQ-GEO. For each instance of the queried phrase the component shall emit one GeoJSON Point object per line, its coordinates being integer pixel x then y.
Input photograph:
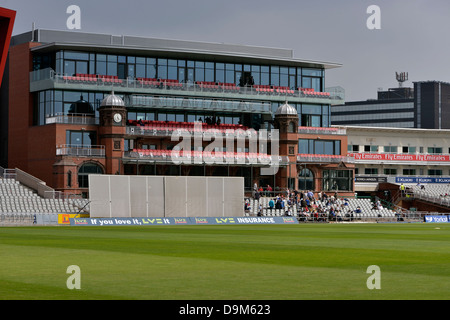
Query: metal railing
{"type": "Point", "coordinates": [335, 93]}
{"type": "Point", "coordinates": [191, 103]}
{"type": "Point", "coordinates": [324, 158]}
{"type": "Point", "coordinates": [8, 173]}
{"type": "Point", "coordinates": [322, 130]}
{"type": "Point", "coordinates": [80, 150]}
{"type": "Point", "coordinates": [443, 200]}
{"type": "Point", "coordinates": [75, 118]}
{"type": "Point", "coordinates": [200, 157]}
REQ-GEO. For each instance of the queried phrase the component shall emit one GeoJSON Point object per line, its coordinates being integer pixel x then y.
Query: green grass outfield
{"type": "Point", "coordinates": [248, 262]}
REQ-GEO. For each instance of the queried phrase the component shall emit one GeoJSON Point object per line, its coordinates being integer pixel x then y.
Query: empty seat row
{"type": "Point", "coordinates": [174, 125]}
{"type": "Point", "coordinates": [199, 154]}
{"type": "Point", "coordinates": [81, 77]}
{"type": "Point", "coordinates": [312, 92]}
{"type": "Point", "coordinates": [17, 198]}
{"type": "Point", "coordinates": [159, 82]}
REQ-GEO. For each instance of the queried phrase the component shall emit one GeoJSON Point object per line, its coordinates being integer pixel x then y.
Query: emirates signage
{"type": "Point", "coordinates": [401, 157]}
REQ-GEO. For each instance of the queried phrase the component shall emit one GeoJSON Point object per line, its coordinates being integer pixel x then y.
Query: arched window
{"type": "Point", "coordinates": [306, 180]}
{"type": "Point", "coordinates": [85, 170]}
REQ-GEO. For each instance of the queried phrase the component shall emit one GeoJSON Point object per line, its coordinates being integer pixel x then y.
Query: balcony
{"type": "Point", "coordinates": [167, 129]}
{"type": "Point", "coordinates": [75, 150]}
{"type": "Point", "coordinates": [205, 158]}
{"type": "Point", "coordinates": [48, 79]}
{"type": "Point", "coordinates": [74, 118]}
{"type": "Point", "coordinates": [324, 158]}
{"type": "Point", "coordinates": [200, 104]}
{"type": "Point", "coordinates": [322, 130]}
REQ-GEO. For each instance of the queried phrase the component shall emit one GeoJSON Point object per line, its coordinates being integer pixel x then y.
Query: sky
{"type": "Point", "coordinates": [413, 36]}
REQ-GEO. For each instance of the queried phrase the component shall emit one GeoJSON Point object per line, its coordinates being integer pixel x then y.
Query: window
{"type": "Point", "coordinates": [353, 148]}
{"type": "Point", "coordinates": [291, 127]}
{"type": "Point", "coordinates": [326, 147]}
{"type": "Point", "coordinates": [434, 150]}
{"type": "Point", "coordinates": [312, 78]}
{"type": "Point", "coordinates": [435, 172]}
{"type": "Point", "coordinates": [371, 171]}
{"type": "Point", "coordinates": [111, 65]}
{"type": "Point", "coordinates": [370, 148]}
{"type": "Point", "coordinates": [407, 149]}
{"type": "Point", "coordinates": [85, 138]}
{"type": "Point", "coordinates": [390, 171]}
{"type": "Point", "coordinates": [306, 180]}
{"type": "Point", "coordinates": [308, 120]}
{"type": "Point", "coordinates": [85, 170]}
{"type": "Point", "coordinates": [409, 172]}
{"type": "Point", "coordinates": [390, 149]}
{"type": "Point", "coordinates": [162, 69]}
{"type": "Point", "coordinates": [69, 178]}
{"type": "Point", "coordinates": [76, 62]}
{"type": "Point", "coordinates": [337, 180]}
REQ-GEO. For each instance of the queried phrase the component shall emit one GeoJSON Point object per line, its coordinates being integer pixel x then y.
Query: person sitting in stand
{"type": "Point", "coordinates": [271, 204]}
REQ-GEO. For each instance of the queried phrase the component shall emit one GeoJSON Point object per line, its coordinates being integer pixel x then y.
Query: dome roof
{"type": "Point", "coordinates": [286, 109]}
{"type": "Point", "coordinates": [112, 101]}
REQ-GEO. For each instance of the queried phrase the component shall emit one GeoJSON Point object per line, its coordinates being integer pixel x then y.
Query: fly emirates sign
{"type": "Point", "coordinates": [401, 157]}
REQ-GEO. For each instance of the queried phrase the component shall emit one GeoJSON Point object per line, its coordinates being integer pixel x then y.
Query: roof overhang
{"type": "Point", "coordinates": [62, 40]}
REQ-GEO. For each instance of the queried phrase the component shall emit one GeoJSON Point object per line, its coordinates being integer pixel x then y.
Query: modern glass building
{"type": "Point", "coordinates": [56, 82]}
{"type": "Point", "coordinates": [425, 106]}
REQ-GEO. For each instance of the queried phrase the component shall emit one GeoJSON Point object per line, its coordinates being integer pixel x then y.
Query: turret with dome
{"type": "Point", "coordinates": [112, 110]}
{"type": "Point", "coordinates": [286, 119]}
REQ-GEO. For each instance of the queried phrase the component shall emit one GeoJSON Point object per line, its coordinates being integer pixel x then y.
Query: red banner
{"type": "Point", "coordinates": [401, 157]}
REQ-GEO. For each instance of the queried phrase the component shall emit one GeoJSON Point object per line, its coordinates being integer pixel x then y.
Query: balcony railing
{"type": "Point", "coordinates": [75, 118]}
{"type": "Point", "coordinates": [321, 158]}
{"type": "Point", "coordinates": [169, 128]}
{"type": "Point", "coordinates": [80, 150]}
{"type": "Point", "coordinates": [190, 103]}
{"type": "Point", "coordinates": [203, 157]}
{"type": "Point", "coordinates": [164, 85]}
{"type": "Point", "coordinates": [322, 130]}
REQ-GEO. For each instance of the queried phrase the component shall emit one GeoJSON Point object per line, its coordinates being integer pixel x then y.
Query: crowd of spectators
{"type": "Point", "coordinates": [305, 204]}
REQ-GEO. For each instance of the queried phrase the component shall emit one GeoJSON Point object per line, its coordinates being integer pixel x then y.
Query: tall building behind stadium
{"type": "Point", "coordinates": [82, 103]}
{"type": "Point", "coordinates": [426, 105]}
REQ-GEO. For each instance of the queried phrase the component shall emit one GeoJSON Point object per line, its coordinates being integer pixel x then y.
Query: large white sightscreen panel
{"type": "Point", "coordinates": [120, 196]}
{"type": "Point", "coordinates": [233, 197]}
{"type": "Point", "coordinates": [138, 196]}
{"type": "Point", "coordinates": [196, 189]}
{"type": "Point", "coordinates": [99, 196]}
{"type": "Point", "coordinates": [175, 196]}
{"type": "Point", "coordinates": [215, 196]}
{"type": "Point", "coordinates": [165, 196]}
{"type": "Point", "coordinates": [155, 196]}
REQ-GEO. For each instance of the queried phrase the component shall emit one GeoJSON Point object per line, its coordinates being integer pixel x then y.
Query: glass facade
{"type": "Point", "coordinates": [326, 147]}
{"type": "Point", "coordinates": [66, 62]}
{"type": "Point", "coordinates": [309, 115]}
{"type": "Point", "coordinates": [306, 180]}
{"type": "Point", "coordinates": [338, 180]}
{"type": "Point", "coordinates": [389, 114]}
{"type": "Point", "coordinates": [81, 138]}
{"type": "Point", "coordinates": [58, 102]}
{"type": "Point", "coordinates": [183, 70]}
